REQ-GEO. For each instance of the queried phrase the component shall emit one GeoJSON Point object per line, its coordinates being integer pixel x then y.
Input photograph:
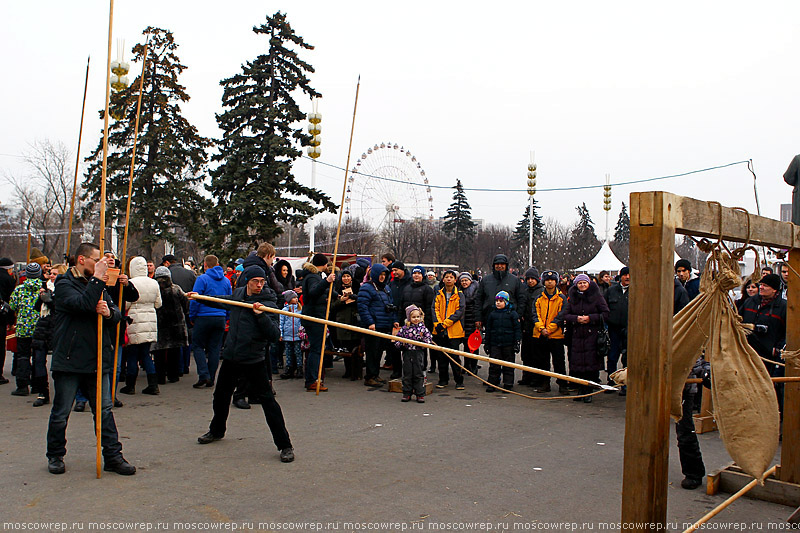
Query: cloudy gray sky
{"type": "Point", "coordinates": [632, 89]}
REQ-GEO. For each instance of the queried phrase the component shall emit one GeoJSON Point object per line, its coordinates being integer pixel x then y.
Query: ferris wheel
{"type": "Point", "coordinates": [388, 185]}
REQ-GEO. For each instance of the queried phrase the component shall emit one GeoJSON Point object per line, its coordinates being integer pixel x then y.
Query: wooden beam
{"type": "Point", "coordinates": [647, 424]}
{"type": "Point", "coordinates": [701, 219]}
{"type": "Point", "coordinates": [790, 449]}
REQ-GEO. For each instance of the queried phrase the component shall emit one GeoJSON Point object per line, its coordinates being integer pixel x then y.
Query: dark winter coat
{"type": "Point", "coordinates": [692, 287]}
{"type": "Point", "coordinates": [421, 295]}
{"type": "Point", "coordinates": [470, 307]}
{"type": "Point", "coordinates": [271, 280]}
{"type": "Point", "coordinates": [345, 312]}
{"type": "Point", "coordinates": [374, 302]}
{"type": "Point", "coordinates": [43, 334]}
{"type": "Point", "coordinates": [129, 294]}
{"type": "Point", "coordinates": [172, 315]}
{"type": "Point", "coordinates": [75, 335]}
{"type": "Point", "coordinates": [617, 300]}
{"type": "Point", "coordinates": [495, 282]}
{"type": "Point", "coordinates": [528, 315]}
{"type": "Point", "coordinates": [771, 315]}
{"type": "Point", "coordinates": [315, 292]}
{"type": "Point", "coordinates": [502, 328]}
{"type": "Point", "coordinates": [681, 298]}
{"type": "Point", "coordinates": [791, 178]}
{"type": "Point", "coordinates": [583, 356]}
{"type": "Point", "coordinates": [182, 277]}
{"type": "Point", "coordinates": [396, 288]}
{"type": "Point", "coordinates": [249, 333]}
{"type": "Point", "coordinates": [7, 284]}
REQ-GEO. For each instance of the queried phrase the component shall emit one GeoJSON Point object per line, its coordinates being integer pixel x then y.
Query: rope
{"type": "Point", "coordinates": [498, 387]}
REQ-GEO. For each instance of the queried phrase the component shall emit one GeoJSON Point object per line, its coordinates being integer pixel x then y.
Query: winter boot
{"type": "Point", "coordinates": [289, 374]}
{"type": "Point", "coordinates": [130, 385]}
{"type": "Point", "coordinates": [358, 365]}
{"type": "Point", "coordinates": [152, 385]}
{"type": "Point", "coordinates": [43, 388]}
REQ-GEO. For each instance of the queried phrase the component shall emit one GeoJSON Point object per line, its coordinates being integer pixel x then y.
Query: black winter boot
{"type": "Point", "coordinates": [152, 385]}
{"type": "Point", "coordinates": [43, 388]}
{"type": "Point", "coordinates": [130, 385]}
{"type": "Point", "coordinates": [289, 374]}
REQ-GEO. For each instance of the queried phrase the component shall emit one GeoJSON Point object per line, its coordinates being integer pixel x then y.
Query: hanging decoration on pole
{"type": "Point", "coordinates": [314, 151]}
{"type": "Point", "coordinates": [127, 220]}
{"type": "Point", "coordinates": [119, 78]}
{"type": "Point", "coordinates": [336, 244]}
{"type": "Point", "coordinates": [607, 200]}
{"type": "Point", "coordinates": [531, 193]}
{"type": "Point", "coordinates": [77, 164]}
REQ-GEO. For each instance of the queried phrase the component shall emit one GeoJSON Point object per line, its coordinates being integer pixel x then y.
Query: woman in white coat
{"type": "Point", "coordinates": [142, 328]}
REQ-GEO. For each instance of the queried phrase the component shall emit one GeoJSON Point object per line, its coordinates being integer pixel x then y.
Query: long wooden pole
{"type": "Point", "coordinates": [127, 222]}
{"type": "Point", "coordinates": [366, 331]}
{"type": "Point", "coordinates": [729, 501]}
{"type": "Point", "coordinates": [98, 406]}
{"type": "Point", "coordinates": [77, 163]}
{"type": "Point", "coordinates": [28, 250]}
{"type": "Point", "coordinates": [336, 245]}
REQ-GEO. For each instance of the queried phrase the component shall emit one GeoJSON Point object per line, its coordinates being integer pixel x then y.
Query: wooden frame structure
{"type": "Point", "coordinates": [655, 219]}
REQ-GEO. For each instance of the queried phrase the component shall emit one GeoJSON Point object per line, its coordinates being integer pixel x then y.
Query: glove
{"type": "Point", "coordinates": [761, 328]}
{"type": "Point", "coordinates": [706, 379]}
{"type": "Point", "coordinates": [438, 329]}
{"type": "Point", "coordinates": [516, 347]}
{"type": "Point", "coordinates": [448, 323]}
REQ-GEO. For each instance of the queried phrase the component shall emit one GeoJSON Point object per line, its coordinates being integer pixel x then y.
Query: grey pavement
{"type": "Point", "coordinates": [465, 460]}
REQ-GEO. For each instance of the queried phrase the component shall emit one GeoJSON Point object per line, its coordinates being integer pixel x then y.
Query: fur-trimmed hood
{"type": "Point", "coordinates": [308, 267]}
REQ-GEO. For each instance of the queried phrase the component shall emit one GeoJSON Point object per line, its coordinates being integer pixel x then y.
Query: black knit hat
{"type": "Point", "coordinates": [625, 270]}
{"type": "Point", "coordinates": [399, 264]}
{"type": "Point", "coordinates": [5, 262]}
{"type": "Point", "coordinates": [500, 259]}
{"type": "Point", "coordinates": [683, 263]}
{"type": "Point", "coordinates": [532, 272]}
{"type": "Point", "coordinates": [253, 271]}
{"type": "Point", "coordinates": [319, 260]}
{"type": "Point", "coordinates": [772, 280]}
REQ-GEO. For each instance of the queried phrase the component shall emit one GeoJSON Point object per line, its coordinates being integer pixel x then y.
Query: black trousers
{"type": "Point", "coordinates": [23, 358]}
{"type": "Point", "coordinates": [550, 349]}
{"type": "Point", "coordinates": [688, 446]}
{"type": "Point", "coordinates": [504, 353]}
{"type": "Point", "coordinates": [257, 377]}
{"type": "Point", "coordinates": [445, 363]}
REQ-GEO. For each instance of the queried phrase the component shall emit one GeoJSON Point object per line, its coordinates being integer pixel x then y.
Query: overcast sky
{"type": "Point", "coordinates": [632, 89]}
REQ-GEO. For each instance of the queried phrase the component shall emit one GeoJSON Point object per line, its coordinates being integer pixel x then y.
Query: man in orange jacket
{"type": "Point", "coordinates": [548, 329]}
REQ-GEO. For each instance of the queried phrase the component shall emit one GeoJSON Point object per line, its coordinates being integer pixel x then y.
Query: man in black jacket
{"type": "Point", "coordinates": [244, 356]}
{"type": "Point", "coordinates": [499, 280]}
{"type": "Point", "coordinates": [7, 284]}
{"type": "Point", "coordinates": [531, 352]}
{"type": "Point", "coordinates": [617, 299]}
{"type": "Point", "coordinates": [315, 300]}
{"type": "Point", "coordinates": [400, 280]}
{"type": "Point", "coordinates": [80, 297]}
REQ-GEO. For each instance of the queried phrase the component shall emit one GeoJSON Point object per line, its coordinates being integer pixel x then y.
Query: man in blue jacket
{"type": "Point", "coordinates": [81, 297]}
{"type": "Point", "coordinates": [208, 322]}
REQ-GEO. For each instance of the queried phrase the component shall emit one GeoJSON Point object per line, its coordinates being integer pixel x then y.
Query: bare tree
{"type": "Point", "coordinates": [44, 195]}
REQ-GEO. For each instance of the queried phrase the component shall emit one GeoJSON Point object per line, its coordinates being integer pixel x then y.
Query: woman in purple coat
{"type": "Point", "coordinates": [585, 313]}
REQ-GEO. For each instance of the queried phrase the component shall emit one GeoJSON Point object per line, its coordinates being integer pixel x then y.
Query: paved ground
{"type": "Point", "coordinates": [365, 462]}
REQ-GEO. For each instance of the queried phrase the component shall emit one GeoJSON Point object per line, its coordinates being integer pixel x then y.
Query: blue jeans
{"type": "Point", "coordinates": [619, 346]}
{"type": "Point", "coordinates": [294, 355]}
{"type": "Point", "coordinates": [315, 332]}
{"type": "Point", "coordinates": [206, 344]}
{"type": "Point", "coordinates": [66, 385]}
{"type": "Point", "coordinates": [139, 353]}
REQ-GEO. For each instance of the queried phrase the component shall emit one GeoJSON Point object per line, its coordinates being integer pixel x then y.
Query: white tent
{"type": "Point", "coordinates": [604, 260]}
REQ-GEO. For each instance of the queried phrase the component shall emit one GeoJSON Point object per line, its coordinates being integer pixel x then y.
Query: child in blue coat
{"type": "Point", "coordinates": [290, 335]}
{"type": "Point", "coordinates": [503, 335]}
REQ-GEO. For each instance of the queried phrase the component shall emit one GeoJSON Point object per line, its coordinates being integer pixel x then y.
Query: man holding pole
{"type": "Point", "coordinates": [81, 296]}
{"type": "Point", "coordinates": [244, 356]}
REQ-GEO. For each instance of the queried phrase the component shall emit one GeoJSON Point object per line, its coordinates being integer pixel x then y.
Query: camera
{"type": "Point", "coordinates": [391, 309]}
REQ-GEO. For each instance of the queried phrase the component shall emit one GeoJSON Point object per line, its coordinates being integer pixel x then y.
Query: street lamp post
{"type": "Point", "coordinates": [531, 192]}
{"type": "Point", "coordinates": [314, 129]}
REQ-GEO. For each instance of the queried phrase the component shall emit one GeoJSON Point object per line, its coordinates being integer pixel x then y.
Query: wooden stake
{"type": "Point", "coordinates": [28, 250]}
{"type": "Point", "coordinates": [77, 163]}
{"type": "Point", "coordinates": [127, 222]}
{"type": "Point", "coordinates": [729, 501]}
{"type": "Point", "coordinates": [366, 331]}
{"type": "Point", "coordinates": [98, 406]}
{"type": "Point", "coordinates": [336, 245]}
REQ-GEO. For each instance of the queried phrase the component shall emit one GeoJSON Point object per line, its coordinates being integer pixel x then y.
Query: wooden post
{"type": "Point", "coordinates": [644, 482]}
{"type": "Point", "coordinates": [790, 449]}
{"type": "Point", "coordinates": [77, 164]}
{"type": "Point", "coordinates": [28, 249]}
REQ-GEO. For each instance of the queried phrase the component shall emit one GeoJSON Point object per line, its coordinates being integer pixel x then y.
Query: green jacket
{"type": "Point", "coordinates": [23, 302]}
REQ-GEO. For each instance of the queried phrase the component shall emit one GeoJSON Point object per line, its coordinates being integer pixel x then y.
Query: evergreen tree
{"type": "Point", "coordinates": [458, 224]}
{"type": "Point", "coordinates": [522, 231]}
{"type": "Point", "coordinates": [622, 236]}
{"type": "Point", "coordinates": [583, 242]}
{"type": "Point", "coordinates": [253, 186]}
{"type": "Point", "coordinates": [622, 233]}
{"type": "Point", "coordinates": [170, 156]}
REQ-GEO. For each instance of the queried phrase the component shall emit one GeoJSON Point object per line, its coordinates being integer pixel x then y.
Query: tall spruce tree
{"type": "Point", "coordinates": [170, 157]}
{"type": "Point", "coordinates": [583, 242]}
{"type": "Point", "coordinates": [622, 233]}
{"type": "Point", "coordinates": [458, 224]}
{"type": "Point", "coordinates": [622, 236]}
{"type": "Point", "coordinates": [522, 231]}
{"type": "Point", "coordinates": [253, 187]}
